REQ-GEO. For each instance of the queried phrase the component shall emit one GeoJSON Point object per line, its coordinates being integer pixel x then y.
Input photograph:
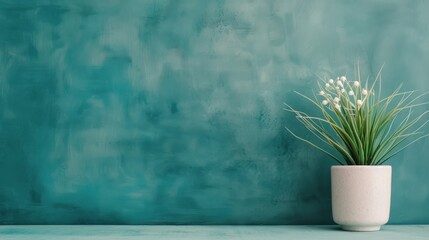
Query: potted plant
{"type": "Point", "coordinates": [361, 130]}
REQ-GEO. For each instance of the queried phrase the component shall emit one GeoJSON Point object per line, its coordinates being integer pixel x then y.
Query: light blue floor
{"type": "Point", "coordinates": [392, 232]}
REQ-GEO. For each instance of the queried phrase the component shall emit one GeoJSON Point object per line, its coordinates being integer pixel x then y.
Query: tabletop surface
{"type": "Point", "coordinates": [58, 232]}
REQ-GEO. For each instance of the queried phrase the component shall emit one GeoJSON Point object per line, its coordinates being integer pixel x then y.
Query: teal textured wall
{"type": "Point", "coordinates": [132, 112]}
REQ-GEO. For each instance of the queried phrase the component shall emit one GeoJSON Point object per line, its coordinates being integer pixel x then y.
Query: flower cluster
{"type": "Point", "coordinates": [343, 94]}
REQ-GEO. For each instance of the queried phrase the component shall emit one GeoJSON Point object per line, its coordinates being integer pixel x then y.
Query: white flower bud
{"type": "Point", "coordinates": [324, 102]}
{"type": "Point", "coordinates": [343, 78]}
{"type": "Point", "coordinates": [351, 93]}
{"type": "Point", "coordinates": [336, 99]}
{"type": "Point", "coordinates": [343, 90]}
{"type": "Point", "coordinates": [337, 106]}
{"type": "Point", "coordinates": [359, 102]}
{"type": "Point", "coordinates": [337, 88]}
{"type": "Point", "coordinates": [331, 81]}
{"type": "Point", "coordinates": [327, 85]}
{"type": "Point", "coordinates": [356, 84]}
{"type": "Point", "coordinates": [364, 92]}
{"type": "Point", "coordinates": [322, 93]}
{"type": "Point", "coordinates": [339, 83]}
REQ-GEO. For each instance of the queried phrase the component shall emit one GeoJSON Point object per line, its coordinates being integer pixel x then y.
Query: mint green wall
{"type": "Point", "coordinates": [132, 112]}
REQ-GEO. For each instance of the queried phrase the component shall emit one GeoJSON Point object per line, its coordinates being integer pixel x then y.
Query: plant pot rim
{"type": "Point", "coordinates": [361, 166]}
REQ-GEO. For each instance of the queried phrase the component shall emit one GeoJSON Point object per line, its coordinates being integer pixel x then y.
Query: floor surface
{"type": "Point", "coordinates": [391, 232]}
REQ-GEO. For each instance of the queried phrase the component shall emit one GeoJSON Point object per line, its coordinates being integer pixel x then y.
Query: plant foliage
{"type": "Point", "coordinates": [360, 125]}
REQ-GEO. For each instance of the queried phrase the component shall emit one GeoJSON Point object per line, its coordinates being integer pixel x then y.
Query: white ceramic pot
{"type": "Point", "coordinates": [361, 196]}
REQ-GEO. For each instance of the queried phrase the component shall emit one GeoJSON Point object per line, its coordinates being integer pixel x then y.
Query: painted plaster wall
{"type": "Point", "coordinates": [170, 112]}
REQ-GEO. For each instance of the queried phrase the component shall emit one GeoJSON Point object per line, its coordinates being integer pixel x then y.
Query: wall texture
{"type": "Point", "coordinates": [132, 112]}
